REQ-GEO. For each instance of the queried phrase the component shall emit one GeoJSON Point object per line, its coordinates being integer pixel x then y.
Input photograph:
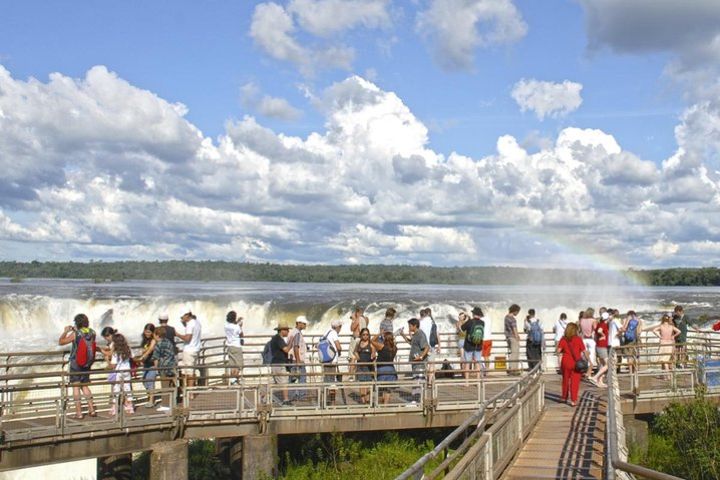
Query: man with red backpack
{"type": "Point", "coordinates": [82, 356]}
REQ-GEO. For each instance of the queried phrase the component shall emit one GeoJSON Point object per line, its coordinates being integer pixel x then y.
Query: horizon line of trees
{"type": "Point", "coordinates": [213, 270]}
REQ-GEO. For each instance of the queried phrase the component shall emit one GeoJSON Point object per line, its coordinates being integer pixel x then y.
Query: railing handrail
{"type": "Point", "coordinates": [476, 418]}
{"type": "Point", "coordinates": [612, 434]}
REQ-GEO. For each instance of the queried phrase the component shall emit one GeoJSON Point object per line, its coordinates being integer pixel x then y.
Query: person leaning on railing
{"type": "Point", "coordinates": [386, 351]}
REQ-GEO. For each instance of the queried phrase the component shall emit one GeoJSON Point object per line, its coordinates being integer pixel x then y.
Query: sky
{"type": "Point", "coordinates": [561, 133]}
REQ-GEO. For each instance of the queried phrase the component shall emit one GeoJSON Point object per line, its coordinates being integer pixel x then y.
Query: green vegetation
{"type": "Point", "coordinates": [417, 274]}
{"type": "Point", "coordinates": [329, 457]}
{"type": "Point", "coordinates": [684, 441]}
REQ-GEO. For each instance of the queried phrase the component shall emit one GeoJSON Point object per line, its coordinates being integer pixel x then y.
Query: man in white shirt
{"type": "Point", "coordinates": [191, 336]}
{"type": "Point", "coordinates": [426, 323]}
{"type": "Point", "coordinates": [233, 342]}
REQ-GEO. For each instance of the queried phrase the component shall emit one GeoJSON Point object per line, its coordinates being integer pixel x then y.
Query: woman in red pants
{"type": "Point", "coordinates": [572, 349]}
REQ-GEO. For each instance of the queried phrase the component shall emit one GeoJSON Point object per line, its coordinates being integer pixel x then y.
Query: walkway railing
{"type": "Point", "coordinates": [486, 453]}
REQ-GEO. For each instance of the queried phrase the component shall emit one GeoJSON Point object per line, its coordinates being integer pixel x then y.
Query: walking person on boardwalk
{"type": "Point", "coordinates": [572, 348]}
{"type": "Point", "coordinates": [512, 337]}
{"type": "Point", "coordinates": [358, 321]}
{"type": "Point", "coordinates": [82, 356]}
{"type": "Point", "coordinates": [385, 360]}
{"type": "Point", "coordinates": [587, 326]}
{"type": "Point", "coordinates": [165, 361]}
{"type": "Point", "coordinates": [602, 349]}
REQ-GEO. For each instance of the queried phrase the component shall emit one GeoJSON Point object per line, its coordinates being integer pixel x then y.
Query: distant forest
{"type": "Point", "coordinates": [267, 272]}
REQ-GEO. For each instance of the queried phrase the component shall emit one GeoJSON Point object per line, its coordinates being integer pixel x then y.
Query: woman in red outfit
{"type": "Point", "coordinates": [572, 349]}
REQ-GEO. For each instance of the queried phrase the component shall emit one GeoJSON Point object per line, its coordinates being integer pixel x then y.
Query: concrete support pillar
{"type": "Point", "coordinates": [169, 460]}
{"type": "Point", "coordinates": [259, 457]}
{"type": "Point", "coordinates": [116, 467]}
{"type": "Point", "coordinates": [229, 452]}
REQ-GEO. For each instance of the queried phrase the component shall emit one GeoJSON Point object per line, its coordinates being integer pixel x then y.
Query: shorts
{"type": "Point", "coordinates": [602, 352]}
{"type": "Point", "coordinates": [665, 353]}
{"type": "Point", "coordinates": [351, 348]}
{"type": "Point", "coordinates": [471, 355]}
{"type": "Point", "coordinates": [188, 362]}
{"type": "Point", "coordinates": [387, 373]}
{"type": "Point", "coordinates": [330, 372]}
{"type": "Point", "coordinates": [79, 374]}
{"type": "Point", "coordinates": [364, 374]}
{"type": "Point", "coordinates": [461, 343]}
{"type": "Point", "coordinates": [149, 377]}
{"type": "Point", "coordinates": [486, 347]}
{"type": "Point", "coordinates": [235, 357]}
{"type": "Point", "coordinates": [590, 348]}
{"type": "Point", "coordinates": [280, 374]}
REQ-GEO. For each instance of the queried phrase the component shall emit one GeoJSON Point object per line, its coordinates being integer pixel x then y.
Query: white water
{"type": "Point", "coordinates": [33, 314]}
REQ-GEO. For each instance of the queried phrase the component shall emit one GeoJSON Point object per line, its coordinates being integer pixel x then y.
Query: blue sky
{"type": "Point", "coordinates": [593, 81]}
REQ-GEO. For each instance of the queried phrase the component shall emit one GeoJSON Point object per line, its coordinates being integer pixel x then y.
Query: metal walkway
{"type": "Point", "coordinates": [566, 442]}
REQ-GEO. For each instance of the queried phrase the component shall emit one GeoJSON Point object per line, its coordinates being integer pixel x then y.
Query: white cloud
{"type": "Point", "coordinates": [274, 29]}
{"type": "Point", "coordinates": [366, 188]}
{"type": "Point", "coordinates": [327, 17]}
{"type": "Point", "coordinates": [663, 248]}
{"type": "Point", "coordinates": [547, 98]}
{"type": "Point", "coordinates": [456, 28]}
{"type": "Point", "coordinates": [266, 105]}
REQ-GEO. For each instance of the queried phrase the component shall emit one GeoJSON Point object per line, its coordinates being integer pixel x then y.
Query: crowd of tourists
{"type": "Point", "coordinates": [582, 347]}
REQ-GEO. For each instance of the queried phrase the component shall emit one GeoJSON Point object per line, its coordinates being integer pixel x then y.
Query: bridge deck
{"type": "Point", "coordinates": [566, 442]}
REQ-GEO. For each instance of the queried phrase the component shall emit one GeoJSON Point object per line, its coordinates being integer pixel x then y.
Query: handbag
{"type": "Point", "coordinates": [581, 365]}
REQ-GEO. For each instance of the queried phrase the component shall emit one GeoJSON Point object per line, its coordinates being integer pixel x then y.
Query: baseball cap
{"type": "Point", "coordinates": [163, 317]}
{"type": "Point", "coordinates": [605, 316]}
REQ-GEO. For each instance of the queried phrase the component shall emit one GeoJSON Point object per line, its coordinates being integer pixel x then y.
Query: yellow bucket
{"type": "Point", "coordinates": [500, 362]}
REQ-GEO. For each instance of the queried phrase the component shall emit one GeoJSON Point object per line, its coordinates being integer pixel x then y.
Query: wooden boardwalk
{"type": "Point", "coordinates": [567, 442]}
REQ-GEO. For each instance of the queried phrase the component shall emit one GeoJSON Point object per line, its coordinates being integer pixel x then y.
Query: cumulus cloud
{"type": "Point", "coordinates": [274, 29]}
{"type": "Point", "coordinates": [266, 105]}
{"type": "Point", "coordinates": [365, 188]}
{"type": "Point", "coordinates": [547, 98]}
{"type": "Point", "coordinates": [328, 17]}
{"type": "Point", "coordinates": [455, 29]}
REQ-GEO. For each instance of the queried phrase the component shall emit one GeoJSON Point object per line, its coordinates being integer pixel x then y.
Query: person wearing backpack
{"type": "Point", "coordinates": [472, 348]}
{"type": "Point", "coordinates": [534, 340]}
{"type": "Point", "coordinates": [82, 356]}
{"type": "Point", "coordinates": [329, 350]}
{"type": "Point", "coordinates": [429, 328]}
{"type": "Point", "coordinates": [631, 330]}
{"type": "Point", "coordinates": [280, 359]}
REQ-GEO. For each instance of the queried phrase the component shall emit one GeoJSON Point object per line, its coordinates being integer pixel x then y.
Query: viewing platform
{"type": "Point", "coordinates": [507, 427]}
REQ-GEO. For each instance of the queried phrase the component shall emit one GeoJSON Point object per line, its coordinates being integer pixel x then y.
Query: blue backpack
{"type": "Point", "coordinates": [536, 333]}
{"type": "Point", "coordinates": [326, 349]}
{"type": "Point", "coordinates": [631, 332]}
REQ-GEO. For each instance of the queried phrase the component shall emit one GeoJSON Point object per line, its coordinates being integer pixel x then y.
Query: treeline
{"type": "Point", "coordinates": [268, 272]}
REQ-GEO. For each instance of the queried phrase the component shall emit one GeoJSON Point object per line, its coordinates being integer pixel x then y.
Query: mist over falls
{"type": "Point", "coordinates": [36, 310]}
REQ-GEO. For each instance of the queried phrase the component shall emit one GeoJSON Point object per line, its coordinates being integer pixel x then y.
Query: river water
{"type": "Point", "coordinates": [33, 313]}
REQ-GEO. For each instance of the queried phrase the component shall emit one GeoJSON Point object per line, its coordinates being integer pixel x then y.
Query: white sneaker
{"type": "Point", "coordinates": [162, 409]}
